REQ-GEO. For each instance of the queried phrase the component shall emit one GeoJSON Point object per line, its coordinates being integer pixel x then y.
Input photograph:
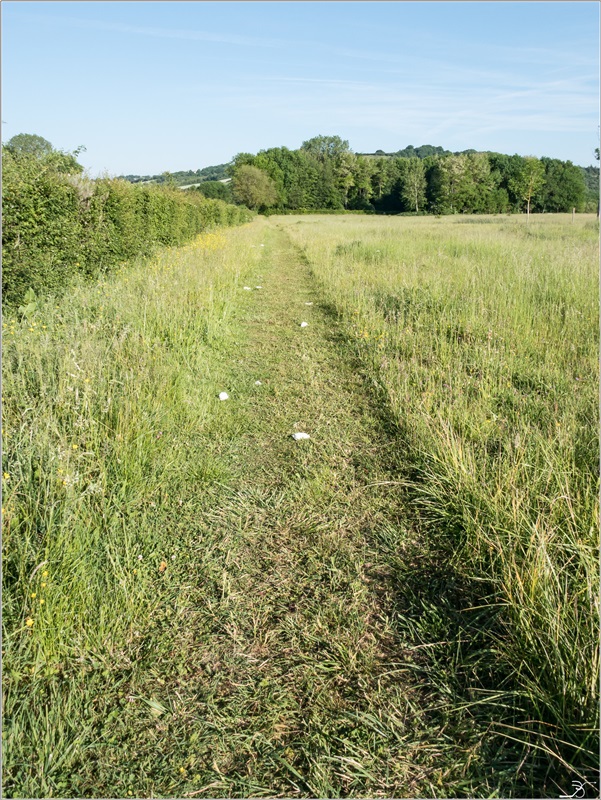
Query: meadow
{"type": "Point", "coordinates": [404, 605]}
{"type": "Point", "coordinates": [483, 336]}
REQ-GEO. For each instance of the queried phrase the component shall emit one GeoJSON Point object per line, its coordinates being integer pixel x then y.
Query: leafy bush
{"type": "Point", "coordinates": [59, 224]}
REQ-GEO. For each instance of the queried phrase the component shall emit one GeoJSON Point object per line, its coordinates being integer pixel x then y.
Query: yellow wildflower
{"type": "Point", "coordinates": [29, 622]}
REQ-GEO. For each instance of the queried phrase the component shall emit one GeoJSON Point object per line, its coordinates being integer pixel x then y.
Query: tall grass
{"type": "Point", "coordinates": [104, 400]}
{"type": "Point", "coordinates": [482, 335]}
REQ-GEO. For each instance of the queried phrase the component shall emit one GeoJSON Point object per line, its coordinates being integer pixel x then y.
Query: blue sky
{"type": "Point", "coordinates": [154, 86]}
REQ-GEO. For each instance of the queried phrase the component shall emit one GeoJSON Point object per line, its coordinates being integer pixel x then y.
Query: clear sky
{"type": "Point", "coordinates": [155, 86]}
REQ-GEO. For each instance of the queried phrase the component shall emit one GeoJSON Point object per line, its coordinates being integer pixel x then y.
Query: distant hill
{"type": "Point", "coordinates": [184, 178]}
{"type": "Point", "coordinates": [423, 151]}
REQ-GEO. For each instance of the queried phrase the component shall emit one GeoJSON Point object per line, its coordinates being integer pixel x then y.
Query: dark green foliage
{"type": "Point", "coordinates": [58, 224]}
{"type": "Point", "coordinates": [215, 190]}
{"type": "Point", "coordinates": [564, 187]}
{"type": "Point", "coordinates": [591, 181]}
{"type": "Point", "coordinates": [324, 174]}
{"type": "Point", "coordinates": [423, 151]}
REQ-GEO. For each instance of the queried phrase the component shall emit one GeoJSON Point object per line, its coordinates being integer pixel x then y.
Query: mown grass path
{"type": "Point", "coordinates": [195, 604]}
{"type": "Point", "coordinates": [265, 641]}
{"type": "Point", "coordinates": [304, 698]}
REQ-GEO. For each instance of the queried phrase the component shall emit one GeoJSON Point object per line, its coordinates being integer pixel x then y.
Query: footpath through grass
{"type": "Point", "coordinates": [215, 617]}
{"type": "Point", "coordinates": [223, 604]}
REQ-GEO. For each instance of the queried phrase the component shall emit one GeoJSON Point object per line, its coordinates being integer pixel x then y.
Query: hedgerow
{"type": "Point", "coordinates": [58, 225]}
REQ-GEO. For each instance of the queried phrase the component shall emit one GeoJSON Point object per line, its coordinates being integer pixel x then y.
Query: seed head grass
{"type": "Point", "coordinates": [483, 340]}
{"type": "Point", "coordinates": [195, 604]}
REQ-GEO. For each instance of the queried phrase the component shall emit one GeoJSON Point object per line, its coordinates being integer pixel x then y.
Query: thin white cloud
{"type": "Point", "coordinates": [163, 33]}
{"type": "Point", "coordinates": [424, 108]}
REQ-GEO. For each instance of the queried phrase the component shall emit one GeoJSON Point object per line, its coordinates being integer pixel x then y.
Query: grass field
{"type": "Point", "coordinates": [196, 605]}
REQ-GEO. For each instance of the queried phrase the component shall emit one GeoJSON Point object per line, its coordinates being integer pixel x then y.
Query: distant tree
{"type": "Point", "coordinates": [529, 180]}
{"type": "Point", "coordinates": [413, 183]}
{"type": "Point", "coordinates": [343, 169]}
{"type": "Point", "coordinates": [215, 190]}
{"type": "Point", "coordinates": [448, 180]}
{"type": "Point", "coordinates": [29, 144]}
{"type": "Point", "coordinates": [564, 188]}
{"type": "Point", "coordinates": [168, 179]}
{"type": "Point", "coordinates": [254, 188]}
{"type": "Point", "coordinates": [477, 192]}
{"type": "Point", "coordinates": [214, 173]}
{"type": "Point", "coordinates": [362, 174]}
{"type": "Point", "coordinates": [382, 176]}
{"type": "Point", "coordinates": [239, 160]}
{"type": "Point", "coordinates": [325, 147]}
{"type": "Point", "coordinates": [425, 150]}
{"type": "Point", "coordinates": [408, 152]}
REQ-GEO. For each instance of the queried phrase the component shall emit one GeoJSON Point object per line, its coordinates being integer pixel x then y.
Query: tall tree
{"type": "Point", "coordinates": [362, 188]}
{"type": "Point", "coordinates": [447, 178]}
{"type": "Point", "coordinates": [343, 167]}
{"type": "Point", "coordinates": [254, 188]}
{"type": "Point", "coordinates": [29, 144]}
{"type": "Point", "coordinates": [413, 183]}
{"type": "Point", "coordinates": [564, 188]}
{"type": "Point", "coordinates": [324, 147]}
{"type": "Point", "coordinates": [529, 180]}
{"type": "Point", "coordinates": [382, 176]}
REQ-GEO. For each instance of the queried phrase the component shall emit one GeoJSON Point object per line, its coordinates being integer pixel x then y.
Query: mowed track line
{"type": "Point", "coordinates": [310, 698]}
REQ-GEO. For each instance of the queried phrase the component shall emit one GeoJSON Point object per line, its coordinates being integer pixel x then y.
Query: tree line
{"type": "Point", "coordinates": [324, 174]}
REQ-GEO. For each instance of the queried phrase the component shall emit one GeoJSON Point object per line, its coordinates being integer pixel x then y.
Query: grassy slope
{"type": "Point", "coordinates": [266, 657]}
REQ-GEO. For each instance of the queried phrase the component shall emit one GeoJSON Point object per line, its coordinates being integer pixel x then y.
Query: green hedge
{"type": "Point", "coordinates": [57, 226]}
